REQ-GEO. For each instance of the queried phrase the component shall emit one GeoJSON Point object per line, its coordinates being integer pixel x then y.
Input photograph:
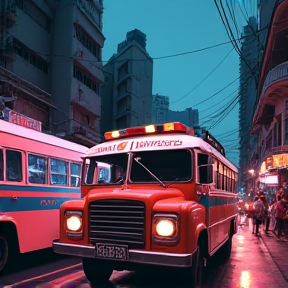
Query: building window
{"type": "Point", "coordinates": [30, 56]}
{"type": "Point", "coordinates": [58, 170]}
{"type": "Point", "coordinates": [86, 79]}
{"type": "Point", "coordinates": [34, 13]}
{"type": "Point", "coordinates": [286, 132]}
{"type": "Point", "coordinates": [84, 38]}
{"type": "Point", "coordinates": [13, 166]}
{"type": "Point", "coordinates": [37, 169]}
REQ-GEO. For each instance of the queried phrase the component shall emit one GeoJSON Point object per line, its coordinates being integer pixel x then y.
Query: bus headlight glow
{"type": "Point", "coordinates": [165, 228]}
{"type": "Point", "coordinates": [73, 224]}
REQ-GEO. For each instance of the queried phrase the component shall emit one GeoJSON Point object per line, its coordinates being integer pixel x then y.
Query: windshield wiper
{"type": "Point", "coordinates": [154, 176]}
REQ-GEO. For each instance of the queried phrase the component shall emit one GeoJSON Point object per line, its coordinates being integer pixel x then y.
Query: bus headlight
{"type": "Point", "coordinates": [165, 229]}
{"type": "Point", "coordinates": [73, 224]}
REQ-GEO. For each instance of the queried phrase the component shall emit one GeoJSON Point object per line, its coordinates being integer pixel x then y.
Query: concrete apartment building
{"type": "Point", "coordinates": [160, 107]}
{"type": "Point", "coordinates": [252, 51]}
{"type": "Point", "coordinates": [270, 118]}
{"type": "Point", "coordinates": [127, 94]}
{"type": "Point", "coordinates": [51, 60]}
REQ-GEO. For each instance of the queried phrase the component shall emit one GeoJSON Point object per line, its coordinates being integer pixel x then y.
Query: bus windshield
{"type": "Point", "coordinates": [166, 165]}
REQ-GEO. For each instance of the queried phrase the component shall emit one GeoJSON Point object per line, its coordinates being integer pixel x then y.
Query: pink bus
{"type": "Point", "coordinates": [38, 172]}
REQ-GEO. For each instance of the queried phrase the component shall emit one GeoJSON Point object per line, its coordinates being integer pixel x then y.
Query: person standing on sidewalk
{"type": "Point", "coordinates": [266, 218]}
{"type": "Point", "coordinates": [259, 210]}
{"type": "Point", "coordinates": [280, 216]}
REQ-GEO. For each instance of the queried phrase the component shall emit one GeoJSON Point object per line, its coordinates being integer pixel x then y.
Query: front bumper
{"type": "Point", "coordinates": [135, 256]}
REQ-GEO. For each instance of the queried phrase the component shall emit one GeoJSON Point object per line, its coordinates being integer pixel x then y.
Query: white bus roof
{"type": "Point", "coordinates": [156, 142]}
{"type": "Point", "coordinates": [17, 130]}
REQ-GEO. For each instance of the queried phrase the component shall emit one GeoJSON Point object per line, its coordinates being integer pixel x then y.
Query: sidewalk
{"type": "Point", "coordinates": [278, 251]}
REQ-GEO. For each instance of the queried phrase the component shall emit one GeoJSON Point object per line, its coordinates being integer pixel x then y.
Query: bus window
{"type": "Point", "coordinates": [205, 168]}
{"type": "Point", "coordinates": [13, 166]}
{"type": "Point", "coordinates": [37, 169]}
{"type": "Point", "coordinates": [1, 166]}
{"type": "Point", "coordinates": [58, 172]}
{"type": "Point", "coordinates": [75, 172]}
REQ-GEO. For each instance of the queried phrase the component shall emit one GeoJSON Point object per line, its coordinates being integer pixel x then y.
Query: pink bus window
{"type": "Point", "coordinates": [37, 169]}
{"type": "Point", "coordinates": [13, 166]}
{"type": "Point", "coordinates": [58, 172]}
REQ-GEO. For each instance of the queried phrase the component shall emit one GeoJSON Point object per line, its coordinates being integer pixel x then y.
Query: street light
{"type": "Point", "coordinates": [251, 171]}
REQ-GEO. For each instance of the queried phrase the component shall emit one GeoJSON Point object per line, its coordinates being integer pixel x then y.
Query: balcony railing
{"type": "Point", "coordinates": [85, 132]}
{"type": "Point", "coordinates": [72, 129]}
{"type": "Point", "coordinates": [277, 73]}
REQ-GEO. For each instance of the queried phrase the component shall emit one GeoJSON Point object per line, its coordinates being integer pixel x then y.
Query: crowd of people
{"type": "Point", "coordinates": [273, 216]}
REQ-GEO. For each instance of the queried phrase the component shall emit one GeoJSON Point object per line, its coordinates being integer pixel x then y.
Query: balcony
{"type": "Point", "coordinates": [26, 87]}
{"type": "Point", "coordinates": [88, 61]}
{"type": "Point", "coordinates": [275, 87]}
{"type": "Point", "coordinates": [78, 132]}
{"type": "Point", "coordinates": [85, 97]}
{"type": "Point", "coordinates": [86, 134]}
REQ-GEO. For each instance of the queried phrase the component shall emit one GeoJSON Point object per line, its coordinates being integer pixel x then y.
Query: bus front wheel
{"type": "Point", "coordinates": [97, 272]}
{"type": "Point", "coordinates": [193, 275]}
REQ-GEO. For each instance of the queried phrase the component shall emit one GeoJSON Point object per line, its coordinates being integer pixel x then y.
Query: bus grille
{"type": "Point", "coordinates": [119, 222]}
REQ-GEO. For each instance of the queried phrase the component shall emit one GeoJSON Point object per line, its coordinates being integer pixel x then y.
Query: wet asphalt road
{"type": "Point", "coordinates": [250, 266]}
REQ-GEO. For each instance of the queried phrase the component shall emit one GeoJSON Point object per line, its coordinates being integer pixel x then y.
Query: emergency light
{"type": "Point", "coordinates": [149, 129]}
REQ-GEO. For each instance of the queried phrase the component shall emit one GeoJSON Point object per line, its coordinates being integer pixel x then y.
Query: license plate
{"type": "Point", "coordinates": [110, 251]}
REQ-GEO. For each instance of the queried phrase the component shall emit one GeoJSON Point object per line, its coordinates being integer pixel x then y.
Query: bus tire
{"type": "Point", "coordinates": [193, 275]}
{"type": "Point", "coordinates": [97, 272]}
{"type": "Point", "coordinates": [8, 252]}
{"type": "Point", "coordinates": [225, 250]}
{"type": "Point", "coordinates": [4, 252]}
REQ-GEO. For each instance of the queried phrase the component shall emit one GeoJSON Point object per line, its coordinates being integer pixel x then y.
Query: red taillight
{"type": "Point", "coordinates": [135, 131]}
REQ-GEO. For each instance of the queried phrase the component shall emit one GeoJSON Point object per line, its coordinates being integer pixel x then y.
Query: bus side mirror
{"type": "Point", "coordinates": [205, 174]}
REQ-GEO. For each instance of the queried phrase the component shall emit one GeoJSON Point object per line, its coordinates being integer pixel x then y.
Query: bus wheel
{"type": "Point", "coordinates": [97, 272]}
{"type": "Point", "coordinates": [4, 252]}
{"type": "Point", "coordinates": [225, 250]}
{"type": "Point", "coordinates": [194, 273]}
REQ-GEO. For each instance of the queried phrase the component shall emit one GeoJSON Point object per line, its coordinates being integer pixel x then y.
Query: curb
{"type": "Point", "coordinates": [266, 246]}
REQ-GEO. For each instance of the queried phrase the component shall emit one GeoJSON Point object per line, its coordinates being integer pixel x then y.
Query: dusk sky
{"type": "Point", "coordinates": [175, 27]}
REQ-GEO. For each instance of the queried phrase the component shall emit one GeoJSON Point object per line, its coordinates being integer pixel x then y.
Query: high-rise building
{"type": "Point", "coordinates": [51, 60]}
{"type": "Point", "coordinates": [160, 107]}
{"type": "Point", "coordinates": [189, 117]}
{"type": "Point", "coordinates": [127, 95]}
{"type": "Point", "coordinates": [247, 97]}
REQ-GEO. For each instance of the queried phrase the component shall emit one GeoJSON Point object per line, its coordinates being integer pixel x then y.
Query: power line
{"type": "Point", "coordinates": [204, 78]}
{"type": "Point", "coordinates": [219, 102]}
{"type": "Point", "coordinates": [223, 117]}
{"type": "Point", "coordinates": [218, 112]}
{"type": "Point", "coordinates": [217, 92]}
{"type": "Point", "coordinates": [231, 37]}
